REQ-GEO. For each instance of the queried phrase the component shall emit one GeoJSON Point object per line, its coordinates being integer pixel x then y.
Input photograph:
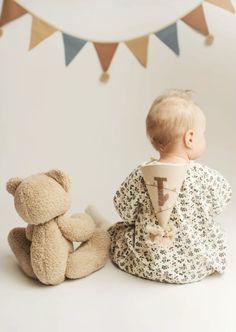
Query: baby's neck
{"type": "Point", "coordinates": [172, 157]}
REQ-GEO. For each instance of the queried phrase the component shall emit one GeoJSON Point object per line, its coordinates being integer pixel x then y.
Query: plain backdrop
{"type": "Point", "coordinates": [54, 116]}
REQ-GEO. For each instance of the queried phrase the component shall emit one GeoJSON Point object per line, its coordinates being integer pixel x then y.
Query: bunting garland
{"type": "Point", "coordinates": [41, 30]}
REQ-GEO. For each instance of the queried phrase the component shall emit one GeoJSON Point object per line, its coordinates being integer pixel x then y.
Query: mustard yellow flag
{"type": "Point", "coordinates": [40, 30]}
{"type": "Point", "coordinates": [139, 48]}
{"type": "Point", "coordinates": [225, 4]}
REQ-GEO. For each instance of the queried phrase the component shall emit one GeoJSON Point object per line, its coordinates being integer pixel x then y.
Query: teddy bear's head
{"type": "Point", "coordinates": [41, 197]}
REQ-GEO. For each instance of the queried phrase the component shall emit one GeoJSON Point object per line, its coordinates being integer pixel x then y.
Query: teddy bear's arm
{"type": "Point", "coordinates": [29, 232]}
{"type": "Point", "coordinates": [77, 228]}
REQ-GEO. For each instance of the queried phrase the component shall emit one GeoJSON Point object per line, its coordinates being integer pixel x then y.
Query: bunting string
{"type": "Point", "coordinates": [41, 30]}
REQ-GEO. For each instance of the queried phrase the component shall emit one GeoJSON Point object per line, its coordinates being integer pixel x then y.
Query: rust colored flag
{"type": "Point", "coordinates": [105, 52]}
{"type": "Point", "coordinates": [196, 20]}
{"type": "Point", "coordinates": [10, 11]}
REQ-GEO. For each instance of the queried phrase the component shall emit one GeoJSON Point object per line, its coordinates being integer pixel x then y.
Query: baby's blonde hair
{"type": "Point", "coordinates": [170, 116]}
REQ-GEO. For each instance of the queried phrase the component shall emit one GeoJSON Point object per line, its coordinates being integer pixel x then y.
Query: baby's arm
{"type": "Point", "coordinates": [127, 198]}
{"type": "Point", "coordinates": [219, 190]}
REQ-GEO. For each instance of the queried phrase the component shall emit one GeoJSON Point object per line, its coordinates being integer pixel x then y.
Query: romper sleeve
{"type": "Point", "coordinates": [127, 198]}
{"type": "Point", "coordinates": [219, 190]}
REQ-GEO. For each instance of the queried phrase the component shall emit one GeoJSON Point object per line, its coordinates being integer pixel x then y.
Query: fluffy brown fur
{"type": "Point", "coordinates": [44, 249]}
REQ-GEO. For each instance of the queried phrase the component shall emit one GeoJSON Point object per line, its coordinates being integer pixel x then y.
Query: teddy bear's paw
{"type": "Point", "coordinates": [99, 220]}
{"type": "Point", "coordinates": [100, 240]}
{"type": "Point", "coordinates": [20, 246]}
{"type": "Point", "coordinates": [90, 256]}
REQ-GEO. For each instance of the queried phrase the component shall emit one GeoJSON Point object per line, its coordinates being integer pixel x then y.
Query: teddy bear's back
{"type": "Point", "coordinates": [49, 253]}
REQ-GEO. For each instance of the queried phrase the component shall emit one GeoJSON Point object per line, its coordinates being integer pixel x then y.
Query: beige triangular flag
{"type": "Point", "coordinates": [225, 4]}
{"type": "Point", "coordinates": [163, 182]}
{"type": "Point", "coordinates": [40, 30]}
{"type": "Point", "coordinates": [196, 20]}
{"type": "Point", "coordinates": [139, 47]}
{"type": "Point", "coordinates": [10, 11]}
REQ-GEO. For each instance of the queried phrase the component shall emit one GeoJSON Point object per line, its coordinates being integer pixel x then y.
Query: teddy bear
{"type": "Point", "coordinates": [44, 249]}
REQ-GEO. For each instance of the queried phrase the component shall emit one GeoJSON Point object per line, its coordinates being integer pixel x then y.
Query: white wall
{"type": "Point", "coordinates": [58, 117]}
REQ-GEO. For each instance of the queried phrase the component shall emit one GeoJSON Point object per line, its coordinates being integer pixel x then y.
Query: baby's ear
{"type": "Point", "coordinates": [61, 177]}
{"type": "Point", "coordinates": [12, 185]}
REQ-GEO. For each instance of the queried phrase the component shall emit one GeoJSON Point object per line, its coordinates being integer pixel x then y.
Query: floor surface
{"type": "Point", "coordinates": [112, 300]}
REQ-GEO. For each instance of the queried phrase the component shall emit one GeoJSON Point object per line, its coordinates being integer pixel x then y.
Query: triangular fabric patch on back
{"type": "Point", "coordinates": [163, 182]}
{"type": "Point", "coordinates": [40, 30]}
{"type": "Point", "coordinates": [169, 37]}
{"type": "Point", "coordinates": [72, 46]}
{"type": "Point", "coordinates": [10, 11]}
{"type": "Point", "coordinates": [139, 48]}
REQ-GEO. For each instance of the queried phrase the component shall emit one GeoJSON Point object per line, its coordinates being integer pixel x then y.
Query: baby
{"type": "Point", "coordinates": [176, 127]}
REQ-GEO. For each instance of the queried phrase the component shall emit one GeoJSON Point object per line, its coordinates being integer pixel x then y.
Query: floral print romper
{"type": "Point", "coordinates": [200, 245]}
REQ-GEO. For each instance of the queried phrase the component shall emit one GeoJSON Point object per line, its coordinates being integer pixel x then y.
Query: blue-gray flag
{"type": "Point", "coordinates": [72, 46]}
{"type": "Point", "coordinates": [169, 37]}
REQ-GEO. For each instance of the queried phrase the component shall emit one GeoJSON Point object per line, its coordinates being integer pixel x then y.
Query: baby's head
{"type": "Point", "coordinates": [176, 124]}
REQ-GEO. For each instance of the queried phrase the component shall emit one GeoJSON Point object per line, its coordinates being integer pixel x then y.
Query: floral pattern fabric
{"type": "Point", "coordinates": [199, 247]}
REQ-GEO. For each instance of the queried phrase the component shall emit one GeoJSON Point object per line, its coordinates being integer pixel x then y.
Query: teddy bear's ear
{"type": "Point", "coordinates": [61, 177]}
{"type": "Point", "coordinates": [12, 185]}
